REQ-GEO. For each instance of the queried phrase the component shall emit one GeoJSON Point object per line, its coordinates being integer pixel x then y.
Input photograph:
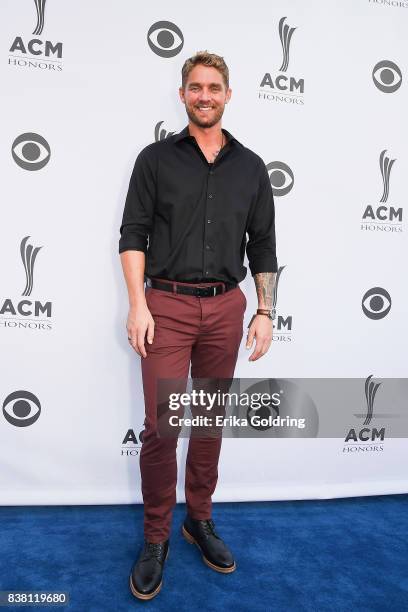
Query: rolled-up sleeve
{"type": "Point", "coordinates": [261, 245]}
{"type": "Point", "coordinates": [137, 220]}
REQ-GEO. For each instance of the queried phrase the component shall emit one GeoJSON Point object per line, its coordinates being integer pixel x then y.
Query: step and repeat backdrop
{"type": "Point", "coordinates": [319, 91]}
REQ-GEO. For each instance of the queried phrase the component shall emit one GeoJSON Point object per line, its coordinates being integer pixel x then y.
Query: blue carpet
{"type": "Point", "coordinates": [325, 555]}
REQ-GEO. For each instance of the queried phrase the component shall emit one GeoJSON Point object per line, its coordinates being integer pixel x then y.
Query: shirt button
{"type": "Point", "coordinates": [207, 246]}
{"type": "Point", "coordinates": [206, 271]}
{"type": "Point", "coordinates": [211, 172]}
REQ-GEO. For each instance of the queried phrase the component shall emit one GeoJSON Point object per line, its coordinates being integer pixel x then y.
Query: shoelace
{"type": "Point", "coordinates": [208, 527]}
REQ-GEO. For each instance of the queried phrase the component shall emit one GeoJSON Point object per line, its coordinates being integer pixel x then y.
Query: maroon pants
{"type": "Point", "coordinates": [206, 332]}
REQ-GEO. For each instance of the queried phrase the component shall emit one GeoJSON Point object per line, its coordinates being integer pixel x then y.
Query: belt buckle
{"type": "Point", "coordinates": [205, 291]}
{"type": "Point", "coordinates": [210, 291]}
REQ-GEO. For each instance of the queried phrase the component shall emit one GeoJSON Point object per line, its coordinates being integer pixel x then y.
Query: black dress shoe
{"type": "Point", "coordinates": [215, 552]}
{"type": "Point", "coordinates": [147, 572]}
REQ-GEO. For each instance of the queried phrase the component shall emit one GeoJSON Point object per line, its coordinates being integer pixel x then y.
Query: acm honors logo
{"type": "Point", "coordinates": [382, 216]}
{"type": "Point", "coordinates": [368, 438]}
{"type": "Point", "coordinates": [131, 444]}
{"type": "Point", "coordinates": [283, 324]}
{"type": "Point", "coordinates": [36, 52]}
{"type": "Point", "coordinates": [281, 85]}
{"type": "Point", "coordinates": [26, 313]}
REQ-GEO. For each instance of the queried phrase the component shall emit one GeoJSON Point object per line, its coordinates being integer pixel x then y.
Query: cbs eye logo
{"type": "Point", "coordinates": [281, 177]}
{"type": "Point", "coordinates": [165, 39]}
{"type": "Point", "coordinates": [31, 151]}
{"type": "Point", "coordinates": [387, 76]}
{"type": "Point", "coordinates": [376, 303]}
{"type": "Point", "coordinates": [21, 408]}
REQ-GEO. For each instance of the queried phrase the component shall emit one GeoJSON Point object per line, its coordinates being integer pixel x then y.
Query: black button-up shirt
{"type": "Point", "coordinates": [191, 217]}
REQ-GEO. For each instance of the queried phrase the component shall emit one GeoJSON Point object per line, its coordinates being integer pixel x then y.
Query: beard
{"type": "Point", "coordinates": [201, 119]}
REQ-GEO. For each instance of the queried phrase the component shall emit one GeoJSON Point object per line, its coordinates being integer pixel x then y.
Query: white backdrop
{"type": "Point", "coordinates": [78, 104]}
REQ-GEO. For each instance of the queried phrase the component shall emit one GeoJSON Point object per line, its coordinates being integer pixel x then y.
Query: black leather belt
{"type": "Point", "coordinates": [195, 289]}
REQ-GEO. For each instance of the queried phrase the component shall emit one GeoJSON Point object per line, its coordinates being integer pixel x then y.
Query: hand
{"type": "Point", "coordinates": [260, 329]}
{"type": "Point", "coordinates": [139, 321]}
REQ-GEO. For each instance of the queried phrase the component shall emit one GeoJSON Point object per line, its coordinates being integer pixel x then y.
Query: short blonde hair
{"type": "Point", "coordinates": [206, 59]}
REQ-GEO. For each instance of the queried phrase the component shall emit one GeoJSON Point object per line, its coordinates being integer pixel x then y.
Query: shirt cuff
{"type": "Point", "coordinates": [132, 242]}
{"type": "Point", "coordinates": [263, 264]}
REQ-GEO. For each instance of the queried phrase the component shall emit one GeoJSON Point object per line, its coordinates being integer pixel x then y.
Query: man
{"type": "Point", "coordinates": [192, 199]}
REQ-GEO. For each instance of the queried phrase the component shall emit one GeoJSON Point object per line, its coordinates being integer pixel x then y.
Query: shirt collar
{"type": "Point", "coordinates": [185, 133]}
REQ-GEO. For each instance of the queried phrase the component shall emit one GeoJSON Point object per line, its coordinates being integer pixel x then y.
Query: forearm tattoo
{"type": "Point", "coordinates": [264, 283]}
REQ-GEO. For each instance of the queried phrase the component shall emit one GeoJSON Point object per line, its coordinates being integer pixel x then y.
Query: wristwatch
{"type": "Point", "coordinates": [271, 314]}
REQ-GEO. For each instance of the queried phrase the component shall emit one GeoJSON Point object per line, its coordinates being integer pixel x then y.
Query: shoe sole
{"type": "Point", "coordinates": [143, 596]}
{"type": "Point", "coordinates": [217, 568]}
